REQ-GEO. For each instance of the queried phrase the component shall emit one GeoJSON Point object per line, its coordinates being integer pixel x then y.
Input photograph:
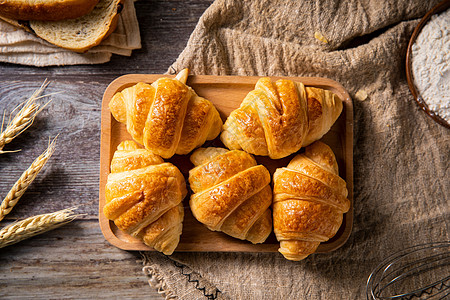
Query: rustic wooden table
{"type": "Point", "coordinates": [75, 261]}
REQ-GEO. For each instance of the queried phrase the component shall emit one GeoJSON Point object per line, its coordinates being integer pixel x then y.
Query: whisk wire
{"type": "Point", "coordinates": [412, 263]}
{"type": "Point", "coordinates": [425, 266]}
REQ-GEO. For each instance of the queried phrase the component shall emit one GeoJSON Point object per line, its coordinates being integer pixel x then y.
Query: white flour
{"type": "Point", "coordinates": [430, 59]}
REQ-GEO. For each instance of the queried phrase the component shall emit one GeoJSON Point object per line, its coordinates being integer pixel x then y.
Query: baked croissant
{"type": "Point", "coordinates": [231, 193]}
{"type": "Point", "coordinates": [309, 201]}
{"type": "Point", "coordinates": [278, 118]}
{"type": "Point", "coordinates": [144, 197]}
{"type": "Point", "coordinates": [167, 116]}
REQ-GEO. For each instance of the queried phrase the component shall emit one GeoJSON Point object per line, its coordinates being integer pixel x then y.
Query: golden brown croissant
{"type": "Point", "coordinates": [167, 117]}
{"type": "Point", "coordinates": [144, 197]}
{"type": "Point", "coordinates": [309, 201]}
{"type": "Point", "coordinates": [231, 193]}
{"type": "Point", "coordinates": [278, 118]}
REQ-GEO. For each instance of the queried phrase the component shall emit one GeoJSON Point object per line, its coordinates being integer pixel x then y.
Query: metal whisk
{"type": "Point", "coordinates": [419, 272]}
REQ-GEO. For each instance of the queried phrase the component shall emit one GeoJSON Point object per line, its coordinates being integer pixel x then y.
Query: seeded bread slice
{"type": "Point", "coordinates": [45, 10]}
{"type": "Point", "coordinates": [84, 32]}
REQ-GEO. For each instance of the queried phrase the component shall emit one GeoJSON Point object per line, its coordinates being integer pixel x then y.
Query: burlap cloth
{"type": "Point", "coordinates": [401, 156]}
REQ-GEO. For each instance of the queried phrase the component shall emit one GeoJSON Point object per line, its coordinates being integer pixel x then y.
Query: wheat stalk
{"type": "Point", "coordinates": [25, 180]}
{"type": "Point", "coordinates": [35, 225]}
{"type": "Point", "coordinates": [24, 117]}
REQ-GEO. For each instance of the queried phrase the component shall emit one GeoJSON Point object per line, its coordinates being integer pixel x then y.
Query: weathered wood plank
{"type": "Point", "coordinates": [73, 261]}
{"type": "Point", "coordinates": [71, 175]}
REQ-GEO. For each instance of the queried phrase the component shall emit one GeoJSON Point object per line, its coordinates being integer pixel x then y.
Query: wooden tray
{"type": "Point", "coordinates": [226, 92]}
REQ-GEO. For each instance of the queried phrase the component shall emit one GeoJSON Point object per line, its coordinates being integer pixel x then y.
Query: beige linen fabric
{"type": "Point", "coordinates": [401, 156]}
{"type": "Point", "coordinates": [20, 47]}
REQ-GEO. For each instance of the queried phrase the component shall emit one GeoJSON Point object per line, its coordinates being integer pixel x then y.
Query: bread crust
{"type": "Point", "coordinates": [46, 10]}
{"type": "Point", "coordinates": [277, 118]}
{"type": "Point", "coordinates": [309, 200]}
{"type": "Point", "coordinates": [232, 193]}
{"type": "Point", "coordinates": [144, 197]}
{"type": "Point", "coordinates": [41, 28]}
{"type": "Point", "coordinates": [167, 116]}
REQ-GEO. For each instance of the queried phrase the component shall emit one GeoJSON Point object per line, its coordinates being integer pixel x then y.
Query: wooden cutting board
{"type": "Point", "coordinates": [226, 93]}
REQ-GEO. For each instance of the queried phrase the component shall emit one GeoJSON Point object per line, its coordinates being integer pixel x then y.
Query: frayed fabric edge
{"type": "Point", "coordinates": [156, 280]}
{"type": "Point", "coordinates": [210, 291]}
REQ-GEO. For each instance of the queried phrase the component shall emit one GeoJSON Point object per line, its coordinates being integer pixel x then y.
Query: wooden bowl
{"type": "Point", "coordinates": [442, 6]}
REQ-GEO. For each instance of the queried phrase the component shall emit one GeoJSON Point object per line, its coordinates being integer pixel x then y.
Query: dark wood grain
{"type": "Point", "coordinates": [71, 175]}
{"type": "Point", "coordinates": [76, 261]}
{"type": "Point", "coordinates": [73, 261]}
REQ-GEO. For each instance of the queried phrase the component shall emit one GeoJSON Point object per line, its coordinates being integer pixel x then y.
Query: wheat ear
{"type": "Point", "coordinates": [25, 180]}
{"type": "Point", "coordinates": [24, 117]}
{"type": "Point", "coordinates": [21, 230]}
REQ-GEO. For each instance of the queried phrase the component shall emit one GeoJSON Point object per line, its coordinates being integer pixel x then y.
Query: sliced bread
{"type": "Point", "coordinates": [84, 32]}
{"type": "Point", "coordinates": [45, 10]}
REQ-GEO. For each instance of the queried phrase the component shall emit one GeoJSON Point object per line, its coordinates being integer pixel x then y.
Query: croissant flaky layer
{"type": "Point", "coordinates": [231, 193]}
{"type": "Point", "coordinates": [309, 201]}
{"type": "Point", "coordinates": [144, 197]}
{"type": "Point", "coordinates": [277, 118]}
{"type": "Point", "coordinates": [167, 116]}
